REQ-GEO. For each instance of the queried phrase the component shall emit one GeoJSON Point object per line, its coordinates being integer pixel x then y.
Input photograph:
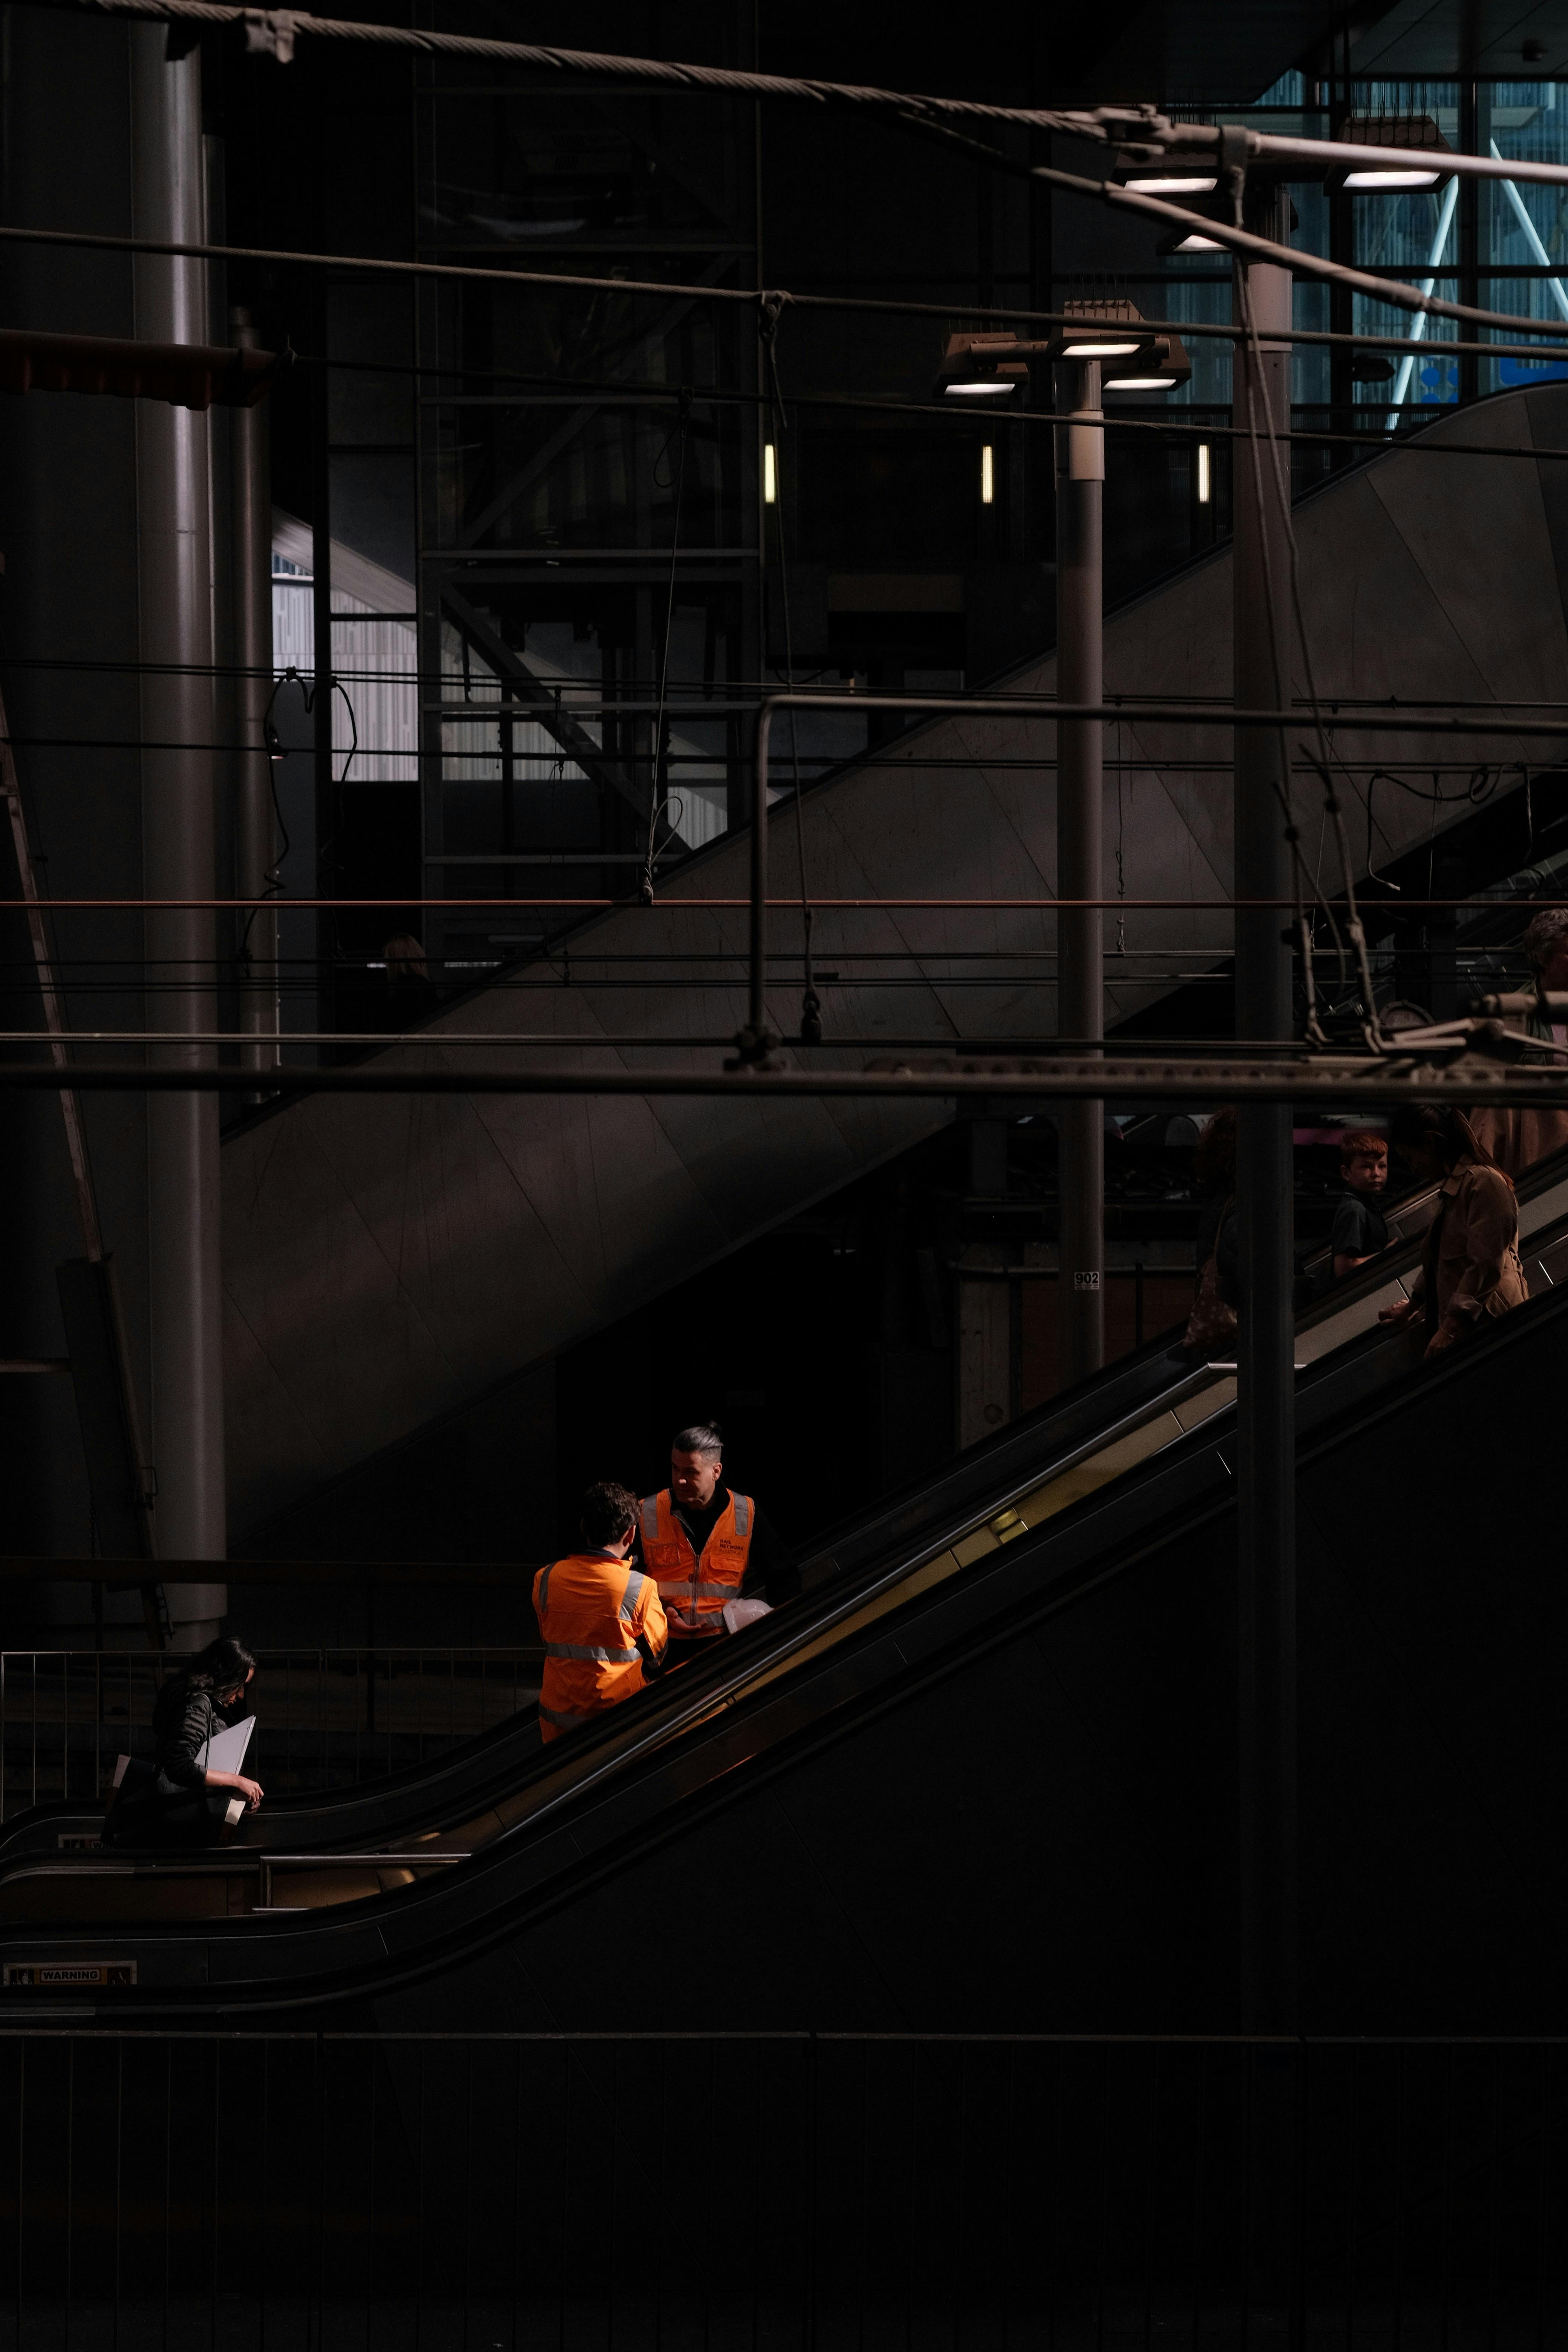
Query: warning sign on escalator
{"type": "Point", "coordinates": [67, 1976]}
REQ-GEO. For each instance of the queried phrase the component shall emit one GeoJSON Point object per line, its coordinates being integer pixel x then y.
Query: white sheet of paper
{"type": "Point", "coordinates": [224, 1751]}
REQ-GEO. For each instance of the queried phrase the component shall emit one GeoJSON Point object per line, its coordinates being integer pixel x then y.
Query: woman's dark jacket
{"type": "Point", "coordinates": [184, 1720]}
{"type": "Point", "coordinates": [171, 1799]}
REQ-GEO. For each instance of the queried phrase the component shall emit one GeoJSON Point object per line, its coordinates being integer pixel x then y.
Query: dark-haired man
{"type": "Point", "coordinates": [707, 1545]}
{"type": "Point", "coordinates": [600, 1618]}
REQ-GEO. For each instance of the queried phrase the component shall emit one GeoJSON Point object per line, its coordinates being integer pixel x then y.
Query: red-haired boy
{"type": "Point", "coordinates": [1359, 1230]}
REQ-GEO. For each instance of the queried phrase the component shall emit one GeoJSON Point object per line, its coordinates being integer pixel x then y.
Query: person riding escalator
{"type": "Point", "coordinates": [178, 1802]}
{"type": "Point", "coordinates": [1471, 1270]}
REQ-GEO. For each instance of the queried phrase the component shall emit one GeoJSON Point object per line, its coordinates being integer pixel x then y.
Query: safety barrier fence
{"type": "Point", "coordinates": [304, 2189]}
{"type": "Point", "coordinates": [325, 1718]}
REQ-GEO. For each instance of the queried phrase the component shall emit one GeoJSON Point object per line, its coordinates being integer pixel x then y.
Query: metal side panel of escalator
{"type": "Point", "coordinates": [1065, 1450]}
{"type": "Point", "coordinates": [1083, 1667]}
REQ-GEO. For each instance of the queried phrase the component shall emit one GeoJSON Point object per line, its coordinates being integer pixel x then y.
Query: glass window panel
{"type": "Point", "coordinates": [1426, 378]}
{"type": "Point", "coordinates": [1310, 361]}
{"type": "Point", "coordinates": [1439, 98]}
{"type": "Point", "coordinates": [1185, 298]}
{"type": "Point", "coordinates": [1416, 233]}
{"type": "Point", "coordinates": [1524, 225]}
{"type": "Point", "coordinates": [1532, 297]}
{"type": "Point", "coordinates": [1524, 228]}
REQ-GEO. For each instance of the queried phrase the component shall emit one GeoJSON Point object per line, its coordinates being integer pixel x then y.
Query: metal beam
{"type": "Point", "coordinates": [566, 433]}
{"type": "Point", "coordinates": [1366, 1082]}
{"type": "Point", "coordinates": [257, 844]}
{"type": "Point", "coordinates": [49, 989]}
{"type": "Point", "coordinates": [178, 834]}
{"type": "Point", "coordinates": [542, 706]}
{"type": "Point", "coordinates": [1264, 1171]}
{"type": "Point", "coordinates": [1080, 755]}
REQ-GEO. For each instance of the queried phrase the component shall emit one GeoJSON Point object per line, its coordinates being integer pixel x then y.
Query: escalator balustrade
{"type": "Point", "coordinates": [377, 1842]}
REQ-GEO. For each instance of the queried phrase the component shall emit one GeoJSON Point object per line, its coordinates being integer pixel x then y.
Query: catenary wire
{"type": "Point", "coordinates": [1127, 124]}
{"type": "Point", "coordinates": [1423, 415]}
{"type": "Point", "coordinates": [1390, 291]}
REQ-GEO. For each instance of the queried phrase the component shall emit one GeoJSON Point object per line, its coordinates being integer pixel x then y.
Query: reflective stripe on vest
{"type": "Point", "coordinates": [588, 1650]}
{"type": "Point", "coordinates": [588, 1629]}
{"type": "Point", "coordinates": [563, 1719]}
{"type": "Point", "coordinates": [694, 1592]}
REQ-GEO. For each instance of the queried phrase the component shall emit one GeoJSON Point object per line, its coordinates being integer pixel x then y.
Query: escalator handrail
{"type": "Point", "coordinates": [961, 1519]}
{"type": "Point", "coordinates": [434, 1948]}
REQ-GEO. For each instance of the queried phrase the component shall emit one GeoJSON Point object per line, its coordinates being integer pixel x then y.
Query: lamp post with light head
{"type": "Point", "coordinates": [1265, 1172]}
{"type": "Point", "coordinates": [1102, 348]}
{"type": "Point", "coordinates": [1263, 592]}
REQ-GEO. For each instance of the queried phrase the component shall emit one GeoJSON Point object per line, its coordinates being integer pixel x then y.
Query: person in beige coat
{"type": "Point", "coordinates": [1470, 1271]}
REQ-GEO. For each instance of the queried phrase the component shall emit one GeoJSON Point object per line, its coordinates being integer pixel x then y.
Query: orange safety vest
{"type": "Point", "coordinates": [590, 1609]}
{"type": "Point", "coordinates": [694, 1590]}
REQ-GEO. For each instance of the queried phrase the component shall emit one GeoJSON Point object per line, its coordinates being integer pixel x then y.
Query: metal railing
{"type": "Point", "coordinates": [321, 2189]}
{"type": "Point", "coordinates": [325, 1719]}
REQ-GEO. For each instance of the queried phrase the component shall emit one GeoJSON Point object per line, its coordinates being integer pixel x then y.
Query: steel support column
{"type": "Point", "coordinates": [1080, 753]}
{"type": "Point", "coordinates": [1266, 1449]}
{"type": "Point", "coordinates": [256, 827]}
{"type": "Point", "coordinates": [176, 582]}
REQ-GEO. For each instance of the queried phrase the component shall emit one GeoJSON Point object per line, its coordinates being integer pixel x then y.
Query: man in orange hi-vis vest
{"type": "Point", "coordinates": [600, 1618]}
{"type": "Point", "coordinates": [708, 1546]}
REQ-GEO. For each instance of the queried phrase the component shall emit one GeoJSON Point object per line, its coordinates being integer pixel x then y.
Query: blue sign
{"type": "Point", "coordinates": [1530, 370]}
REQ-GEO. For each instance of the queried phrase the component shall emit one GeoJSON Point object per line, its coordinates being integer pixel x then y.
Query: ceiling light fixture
{"type": "Point", "coordinates": [1169, 185]}
{"type": "Point", "coordinates": [1110, 329]}
{"type": "Point", "coordinates": [1403, 174]}
{"type": "Point", "coordinates": [1390, 182]}
{"type": "Point", "coordinates": [1162, 366]}
{"type": "Point", "coordinates": [983, 367]}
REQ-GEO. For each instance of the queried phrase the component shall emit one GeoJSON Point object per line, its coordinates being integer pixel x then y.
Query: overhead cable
{"type": "Point", "coordinates": [721, 905]}
{"type": "Point", "coordinates": [1466, 1077]}
{"type": "Point", "coordinates": [275, 31]}
{"type": "Point", "coordinates": [1135, 127]}
{"type": "Point", "coordinates": [1108, 191]}
{"type": "Point", "coordinates": [984, 421]}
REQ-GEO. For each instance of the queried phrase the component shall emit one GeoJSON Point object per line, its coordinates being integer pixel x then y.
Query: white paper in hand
{"type": "Point", "coordinates": [224, 1751]}
{"type": "Point", "coordinates": [741, 1613]}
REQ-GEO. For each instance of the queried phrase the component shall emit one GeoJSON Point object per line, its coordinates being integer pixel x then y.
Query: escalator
{"type": "Point", "coordinates": [1134, 1406]}
{"type": "Point", "coordinates": [1029, 1658]}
